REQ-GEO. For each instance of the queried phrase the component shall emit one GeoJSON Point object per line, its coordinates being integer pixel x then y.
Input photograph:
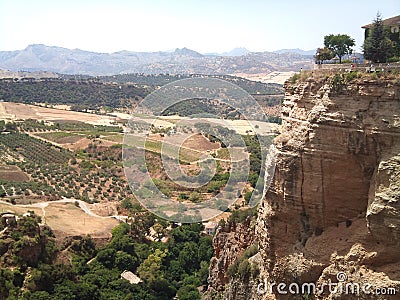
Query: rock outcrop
{"type": "Point", "coordinates": [334, 203]}
{"type": "Point", "coordinates": [230, 241]}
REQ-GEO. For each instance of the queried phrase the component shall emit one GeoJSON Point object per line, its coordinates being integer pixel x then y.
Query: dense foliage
{"type": "Point", "coordinates": [81, 94]}
{"type": "Point", "coordinates": [202, 107]}
{"type": "Point", "coordinates": [377, 46]}
{"type": "Point", "coordinates": [339, 44]}
{"type": "Point", "coordinates": [178, 266]}
{"type": "Point", "coordinates": [323, 54]}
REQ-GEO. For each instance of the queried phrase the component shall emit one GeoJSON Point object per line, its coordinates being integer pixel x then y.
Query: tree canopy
{"type": "Point", "coordinates": [377, 46]}
{"type": "Point", "coordinates": [323, 54]}
{"type": "Point", "coordinates": [339, 44]}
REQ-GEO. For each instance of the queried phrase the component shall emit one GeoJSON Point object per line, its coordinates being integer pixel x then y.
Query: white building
{"type": "Point", "coordinates": [211, 228]}
{"type": "Point", "coordinates": [132, 278]}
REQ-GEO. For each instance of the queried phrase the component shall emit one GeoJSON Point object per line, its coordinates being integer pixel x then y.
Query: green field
{"type": "Point", "coordinates": [61, 137]}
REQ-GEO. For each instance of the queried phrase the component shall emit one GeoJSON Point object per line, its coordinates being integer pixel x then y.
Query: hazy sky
{"type": "Point", "coordinates": [204, 26]}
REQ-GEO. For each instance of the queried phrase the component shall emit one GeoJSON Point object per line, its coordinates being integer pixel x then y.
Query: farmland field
{"type": "Point", "coordinates": [200, 143]}
{"type": "Point", "coordinates": [15, 209]}
{"type": "Point", "coordinates": [66, 216]}
{"type": "Point", "coordinates": [12, 173]}
{"type": "Point", "coordinates": [32, 149]}
{"type": "Point", "coordinates": [19, 111]}
{"type": "Point", "coordinates": [61, 137]}
{"type": "Point", "coordinates": [83, 159]}
{"type": "Point", "coordinates": [114, 138]}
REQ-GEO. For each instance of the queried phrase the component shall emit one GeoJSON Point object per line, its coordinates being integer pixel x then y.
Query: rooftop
{"type": "Point", "coordinates": [211, 225]}
{"type": "Point", "coordinates": [132, 278]}
{"type": "Point", "coordinates": [387, 22]}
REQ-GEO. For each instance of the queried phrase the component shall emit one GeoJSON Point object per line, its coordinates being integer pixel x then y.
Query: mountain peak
{"type": "Point", "coordinates": [187, 52]}
{"type": "Point", "coordinates": [238, 51]}
{"type": "Point", "coordinates": [181, 61]}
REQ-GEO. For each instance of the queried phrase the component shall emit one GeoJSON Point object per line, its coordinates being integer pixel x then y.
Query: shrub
{"type": "Point", "coordinates": [394, 59]}
{"type": "Point", "coordinates": [337, 83]}
{"type": "Point", "coordinates": [294, 78]}
{"type": "Point", "coordinates": [350, 76]}
{"type": "Point", "coordinates": [244, 269]}
{"type": "Point", "coordinates": [247, 196]}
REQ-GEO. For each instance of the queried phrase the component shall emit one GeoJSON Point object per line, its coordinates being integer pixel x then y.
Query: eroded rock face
{"type": "Point", "coordinates": [383, 214]}
{"type": "Point", "coordinates": [230, 241]}
{"type": "Point", "coordinates": [333, 205]}
{"type": "Point", "coordinates": [336, 185]}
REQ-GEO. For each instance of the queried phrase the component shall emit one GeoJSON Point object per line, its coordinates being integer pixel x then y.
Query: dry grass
{"type": "Point", "coordinates": [114, 138]}
{"type": "Point", "coordinates": [68, 218]}
{"type": "Point", "coordinates": [18, 209]}
{"type": "Point", "coordinates": [200, 143]}
{"type": "Point", "coordinates": [21, 111]}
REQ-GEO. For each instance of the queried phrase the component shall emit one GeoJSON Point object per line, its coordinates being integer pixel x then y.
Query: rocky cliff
{"type": "Point", "coordinates": [334, 204]}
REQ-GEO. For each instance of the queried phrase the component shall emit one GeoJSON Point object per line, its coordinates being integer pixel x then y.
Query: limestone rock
{"type": "Point", "coordinates": [333, 205]}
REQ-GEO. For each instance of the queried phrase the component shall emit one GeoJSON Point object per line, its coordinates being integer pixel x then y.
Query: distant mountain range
{"type": "Point", "coordinates": [298, 51]}
{"type": "Point", "coordinates": [234, 52]}
{"type": "Point", "coordinates": [180, 61]}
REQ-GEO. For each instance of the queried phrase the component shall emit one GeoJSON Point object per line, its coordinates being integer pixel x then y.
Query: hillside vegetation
{"type": "Point", "coordinates": [81, 94]}
{"type": "Point", "coordinates": [252, 87]}
{"type": "Point", "coordinates": [35, 267]}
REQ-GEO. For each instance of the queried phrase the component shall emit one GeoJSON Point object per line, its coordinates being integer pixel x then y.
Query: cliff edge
{"type": "Point", "coordinates": [332, 213]}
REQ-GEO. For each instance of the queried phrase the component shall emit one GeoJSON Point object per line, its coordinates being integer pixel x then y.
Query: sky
{"type": "Point", "coordinates": [204, 26]}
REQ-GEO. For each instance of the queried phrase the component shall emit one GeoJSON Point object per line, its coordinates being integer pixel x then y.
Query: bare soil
{"type": "Point", "coordinates": [12, 173]}
{"type": "Point", "coordinates": [200, 143]}
{"type": "Point", "coordinates": [71, 220]}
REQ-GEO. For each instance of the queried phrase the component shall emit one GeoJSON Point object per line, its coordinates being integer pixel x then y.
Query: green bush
{"type": "Point", "coordinates": [241, 267]}
{"type": "Point", "coordinates": [350, 76]}
{"type": "Point", "coordinates": [294, 78]}
{"type": "Point", "coordinates": [337, 83]}
{"type": "Point", "coordinates": [394, 59]}
{"type": "Point", "coordinates": [239, 216]}
{"type": "Point", "coordinates": [247, 196]}
{"type": "Point", "coordinates": [244, 269]}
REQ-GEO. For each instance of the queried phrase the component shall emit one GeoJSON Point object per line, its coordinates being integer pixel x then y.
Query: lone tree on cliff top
{"type": "Point", "coordinates": [339, 44]}
{"type": "Point", "coordinates": [377, 46]}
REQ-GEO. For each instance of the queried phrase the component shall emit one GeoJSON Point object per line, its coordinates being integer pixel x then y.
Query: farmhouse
{"type": "Point", "coordinates": [392, 25]}
{"type": "Point", "coordinates": [211, 227]}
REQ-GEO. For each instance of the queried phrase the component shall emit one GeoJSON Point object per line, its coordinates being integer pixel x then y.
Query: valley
{"type": "Point", "coordinates": [66, 203]}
